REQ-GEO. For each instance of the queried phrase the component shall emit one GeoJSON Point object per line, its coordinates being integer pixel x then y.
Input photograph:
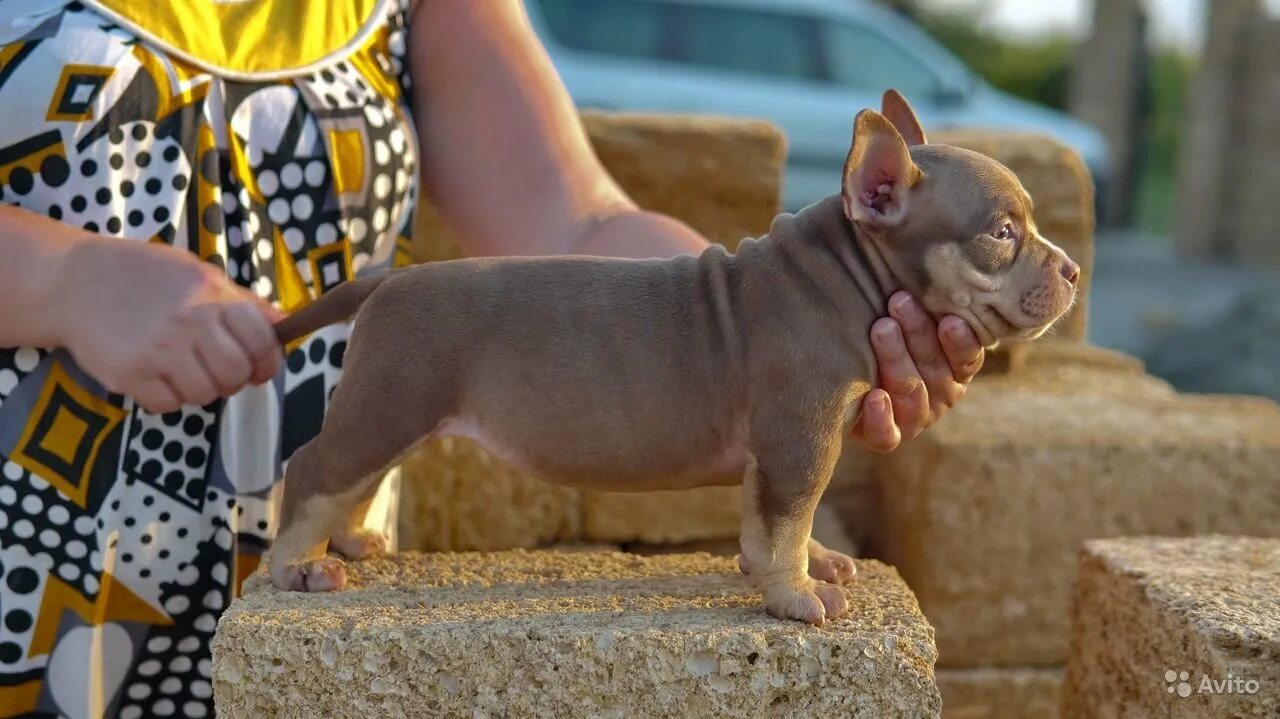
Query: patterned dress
{"type": "Point", "coordinates": [270, 137]}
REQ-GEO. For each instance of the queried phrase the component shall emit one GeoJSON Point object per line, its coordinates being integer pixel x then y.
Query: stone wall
{"type": "Point", "coordinates": [721, 177]}
{"type": "Point", "coordinates": [984, 513]}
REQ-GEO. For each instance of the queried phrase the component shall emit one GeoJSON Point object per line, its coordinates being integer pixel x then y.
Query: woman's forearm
{"type": "Point", "coordinates": [33, 251]}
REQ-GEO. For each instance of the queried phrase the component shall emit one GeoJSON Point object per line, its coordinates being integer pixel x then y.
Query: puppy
{"type": "Point", "coordinates": [634, 375]}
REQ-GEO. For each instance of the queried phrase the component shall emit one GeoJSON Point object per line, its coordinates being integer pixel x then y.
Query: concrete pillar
{"type": "Point", "coordinates": [1108, 89]}
{"type": "Point", "coordinates": [1212, 148]}
{"type": "Point", "coordinates": [1252, 172]}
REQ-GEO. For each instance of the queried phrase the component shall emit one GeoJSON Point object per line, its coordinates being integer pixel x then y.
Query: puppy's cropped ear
{"type": "Point", "coordinates": [895, 107]}
{"type": "Point", "coordinates": [879, 173]}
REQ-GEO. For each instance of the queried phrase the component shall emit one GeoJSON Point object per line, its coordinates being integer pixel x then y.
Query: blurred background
{"type": "Point", "coordinates": [1172, 104]}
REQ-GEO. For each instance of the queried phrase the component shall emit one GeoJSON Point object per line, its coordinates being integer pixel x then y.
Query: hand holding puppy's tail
{"type": "Point", "coordinates": [333, 306]}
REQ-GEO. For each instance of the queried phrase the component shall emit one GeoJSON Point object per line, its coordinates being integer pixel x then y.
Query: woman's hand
{"type": "Point", "coordinates": [158, 325]}
{"type": "Point", "coordinates": [925, 368]}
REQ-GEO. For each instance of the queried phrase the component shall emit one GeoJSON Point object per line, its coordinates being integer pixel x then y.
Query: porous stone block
{"type": "Point", "coordinates": [706, 513]}
{"type": "Point", "coordinates": [1062, 189]}
{"type": "Point", "coordinates": [1057, 366]}
{"type": "Point", "coordinates": [1000, 693]}
{"type": "Point", "coordinates": [722, 177]}
{"type": "Point", "coordinates": [455, 495]}
{"type": "Point", "coordinates": [1177, 628]}
{"type": "Point", "coordinates": [984, 513]}
{"type": "Point", "coordinates": [518, 634]}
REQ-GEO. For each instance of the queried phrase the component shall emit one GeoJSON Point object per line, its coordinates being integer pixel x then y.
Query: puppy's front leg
{"type": "Point", "coordinates": [780, 493]}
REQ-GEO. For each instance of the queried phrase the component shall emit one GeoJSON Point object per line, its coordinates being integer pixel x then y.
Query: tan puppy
{"type": "Point", "coordinates": [633, 375]}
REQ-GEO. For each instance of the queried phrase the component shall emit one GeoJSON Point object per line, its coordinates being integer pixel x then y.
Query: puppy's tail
{"type": "Point", "coordinates": [333, 306]}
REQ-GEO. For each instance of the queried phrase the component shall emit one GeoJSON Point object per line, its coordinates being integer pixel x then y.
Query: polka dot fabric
{"type": "Point", "coordinates": [125, 534]}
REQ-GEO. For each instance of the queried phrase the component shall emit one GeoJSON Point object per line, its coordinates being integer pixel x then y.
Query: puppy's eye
{"type": "Point", "coordinates": [1005, 233]}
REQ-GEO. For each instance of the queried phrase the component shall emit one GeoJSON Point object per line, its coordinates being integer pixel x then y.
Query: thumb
{"type": "Point", "coordinates": [271, 312]}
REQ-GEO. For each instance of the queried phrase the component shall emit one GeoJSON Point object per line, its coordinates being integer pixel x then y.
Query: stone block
{"type": "Point", "coordinates": [1062, 189]}
{"type": "Point", "coordinates": [720, 176]}
{"type": "Point", "coordinates": [984, 513]}
{"type": "Point", "coordinates": [706, 513]}
{"type": "Point", "coordinates": [518, 634]}
{"type": "Point", "coordinates": [455, 495]}
{"type": "Point", "coordinates": [1000, 693]}
{"type": "Point", "coordinates": [1177, 628]}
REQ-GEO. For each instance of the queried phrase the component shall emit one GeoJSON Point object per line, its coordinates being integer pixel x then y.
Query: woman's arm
{"type": "Point", "coordinates": [33, 250]}
{"type": "Point", "coordinates": [504, 156]}
{"type": "Point", "coordinates": [508, 163]}
{"type": "Point", "coordinates": [146, 320]}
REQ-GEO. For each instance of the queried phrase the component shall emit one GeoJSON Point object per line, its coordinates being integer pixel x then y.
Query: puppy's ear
{"type": "Point", "coordinates": [879, 173]}
{"type": "Point", "coordinates": [895, 107]}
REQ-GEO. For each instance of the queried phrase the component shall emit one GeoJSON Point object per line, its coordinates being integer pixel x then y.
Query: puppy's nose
{"type": "Point", "coordinates": [1071, 271]}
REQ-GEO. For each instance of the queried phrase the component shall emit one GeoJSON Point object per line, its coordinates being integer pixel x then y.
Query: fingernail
{"type": "Point", "coordinates": [887, 330]}
{"type": "Point", "coordinates": [900, 301]}
{"type": "Point", "coordinates": [955, 329]}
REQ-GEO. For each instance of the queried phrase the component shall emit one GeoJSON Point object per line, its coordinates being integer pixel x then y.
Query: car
{"type": "Point", "coordinates": [805, 65]}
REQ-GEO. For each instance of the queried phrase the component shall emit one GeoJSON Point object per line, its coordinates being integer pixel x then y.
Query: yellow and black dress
{"type": "Point", "coordinates": [270, 137]}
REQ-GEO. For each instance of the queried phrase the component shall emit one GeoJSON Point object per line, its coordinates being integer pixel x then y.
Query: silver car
{"type": "Point", "coordinates": [805, 65]}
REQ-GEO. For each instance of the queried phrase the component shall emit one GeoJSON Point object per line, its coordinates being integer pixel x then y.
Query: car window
{"type": "Point", "coordinates": [861, 58]}
{"type": "Point", "coordinates": [629, 28]}
{"type": "Point", "coordinates": [747, 41]}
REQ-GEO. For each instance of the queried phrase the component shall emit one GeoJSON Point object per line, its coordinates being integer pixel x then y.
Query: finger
{"type": "Point", "coordinates": [921, 334]}
{"type": "Point", "coordinates": [155, 396]}
{"type": "Point", "coordinates": [224, 359]}
{"type": "Point", "coordinates": [876, 428]}
{"type": "Point", "coordinates": [900, 378]}
{"type": "Point", "coordinates": [252, 329]}
{"type": "Point", "coordinates": [960, 345]}
{"type": "Point", "coordinates": [273, 314]}
{"type": "Point", "coordinates": [189, 380]}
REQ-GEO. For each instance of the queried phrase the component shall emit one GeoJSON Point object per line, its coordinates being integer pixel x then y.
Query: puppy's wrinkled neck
{"type": "Point", "coordinates": [862, 259]}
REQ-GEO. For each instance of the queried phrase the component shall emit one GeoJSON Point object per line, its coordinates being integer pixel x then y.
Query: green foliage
{"type": "Point", "coordinates": [1162, 139]}
{"type": "Point", "coordinates": [1035, 69]}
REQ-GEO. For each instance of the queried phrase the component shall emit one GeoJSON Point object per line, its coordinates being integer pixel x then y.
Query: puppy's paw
{"type": "Point", "coordinates": [801, 605]}
{"type": "Point", "coordinates": [813, 604]}
{"type": "Point", "coordinates": [317, 575]}
{"type": "Point", "coordinates": [358, 543]}
{"type": "Point", "coordinates": [835, 598]}
{"type": "Point", "coordinates": [827, 565]}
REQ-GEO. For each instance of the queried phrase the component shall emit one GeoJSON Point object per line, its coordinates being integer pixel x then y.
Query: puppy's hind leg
{"type": "Point", "coordinates": [308, 516]}
{"type": "Point", "coordinates": [331, 480]}
{"type": "Point", "coordinates": [353, 539]}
